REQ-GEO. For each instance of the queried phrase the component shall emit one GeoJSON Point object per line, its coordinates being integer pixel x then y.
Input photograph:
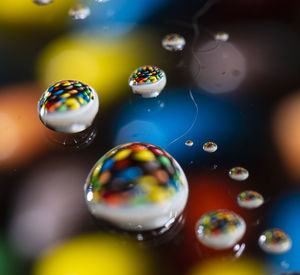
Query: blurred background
{"type": "Point", "coordinates": [246, 90]}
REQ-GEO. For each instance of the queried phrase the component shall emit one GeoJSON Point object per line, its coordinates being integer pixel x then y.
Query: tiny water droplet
{"type": "Point", "coordinates": [189, 143]}
{"type": "Point", "coordinates": [238, 173]}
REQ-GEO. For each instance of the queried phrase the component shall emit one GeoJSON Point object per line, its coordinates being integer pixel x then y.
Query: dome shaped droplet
{"type": "Point", "coordinates": [250, 199]}
{"type": "Point", "coordinates": [222, 36]}
{"type": "Point", "coordinates": [147, 81]}
{"type": "Point", "coordinates": [220, 229]}
{"type": "Point", "coordinates": [189, 143]}
{"type": "Point", "coordinates": [42, 2]}
{"type": "Point", "coordinates": [173, 42]}
{"type": "Point", "coordinates": [275, 241]}
{"type": "Point", "coordinates": [238, 173]}
{"type": "Point", "coordinates": [136, 186]}
{"type": "Point", "coordinates": [68, 106]}
{"type": "Point", "coordinates": [79, 12]}
{"type": "Point", "coordinates": [210, 147]}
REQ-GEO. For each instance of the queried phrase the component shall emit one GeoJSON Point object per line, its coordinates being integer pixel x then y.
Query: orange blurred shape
{"type": "Point", "coordinates": [22, 134]}
{"type": "Point", "coordinates": [219, 266]}
{"type": "Point", "coordinates": [287, 133]}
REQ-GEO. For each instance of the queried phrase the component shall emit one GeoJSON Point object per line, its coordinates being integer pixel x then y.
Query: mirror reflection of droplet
{"type": "Point", "coordinates": [147, 81]}
{"type": "Point", "coordinates": [210, 147]}
{"type": "Point", "coordinates": [222, 36]}
{"type": "Point", "coordinates": [238, 173]}
{"type": "Point", "coordinates": [189, 143]}
{"type": "Point", "coordinates": [79, 12]}
{"type": "Point", "coordinates": [220, 229]}
{"type": "Point", "coordinates": [250, 199]}
{"type": "Point", "coordinates": [173, 42]}
{"type": "Point", "coordinates": [136, 186]}
{"type": "Point", "coordinates": [275, 241]}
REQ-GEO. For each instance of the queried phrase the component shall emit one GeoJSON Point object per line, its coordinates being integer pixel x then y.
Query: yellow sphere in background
{"type": "Point", "coordinates": [25, 14]}
{"type": "Point", "coordinates": [95, 254]}
{"type": "Point", "coordinates": [104, 63]}
{"type": "Point", "coordinates": [229, 267]}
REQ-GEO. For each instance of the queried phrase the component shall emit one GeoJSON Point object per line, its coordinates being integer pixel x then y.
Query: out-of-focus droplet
{"type": "Point", "coordinates": [220, 229]}
{"type": "Point", "coordinates": [42, 2]}
{"type": "Point", "coordinates": [173, 42]}
{"type": "Point", "coordinates": [250, 199]}
{"type": "Point", "coordinates": [238, 173]}
{"type": "Point", "coordinates": [189, 143]}
{"type": "Point", "coordinates": [136, 186]}
{"type": "Point", "coordinates": [147, 81]}
{"type": "Point", "coordinates": [222, 36]}
{"type": "Point", "coordinates": [79, 12]}
{"type": "Point", "coordinates": [68, 106]}
{"type": "Point", "coordinates": [102, 1]}
{"type": "Point", "coordinates": [210, 147]}
{"type": "Point", "coordinates": [275, 241]}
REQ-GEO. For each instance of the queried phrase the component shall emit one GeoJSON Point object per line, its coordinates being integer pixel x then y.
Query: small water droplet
{"type": "Point", "coordinates": [210, 147]}
{"type": "Point", "coordinates": [238, 173]}
{"type": "Point", "coordinates": [173, 42]}
{"type": "Point", "coordinates": [222, 36]}
{"type": "Point", "coordinates": [79, 12]}
{"type": "Point", "coordinates": [275, 241]}
{"type": "Point", "coordinates": [250, 199]}
{"type": "Point", "coordinates": [220, 229]}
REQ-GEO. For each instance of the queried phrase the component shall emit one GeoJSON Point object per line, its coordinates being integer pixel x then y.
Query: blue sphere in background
{"type": "Point", "coordinates": [286, 216]}
{"type": "Point", "coordinates": [165, 121]}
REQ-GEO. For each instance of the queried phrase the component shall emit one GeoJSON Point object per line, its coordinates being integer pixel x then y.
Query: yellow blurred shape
{"type": "Point", "coordinates": [229, 267]}
{"type": "Point", "coordinates": [94, 254]}
{"type": "Point", "coordinates": [25, 14]}
{"type": "Point", "coordinates": [287, 133]}
{"type": "Point", "coordinates": [105, 64]}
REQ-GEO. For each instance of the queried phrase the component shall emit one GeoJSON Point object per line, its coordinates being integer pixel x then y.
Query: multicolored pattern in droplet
{"type": "Point", "coordinates": [275, 241]}
{"type": "Point", "coordinates": [173, 37]}
{"type": "Point", "coordinates": [218, 222]}
{"type": "Point", "coordinates": [173, 42]}
{"type": "Point", "coordinates": [79, 12]}
{"type": "Point", "coordinates": [238, 173]}
{"type": "Point", "coordinates": [210, 147]}
{"type": "Point", "coordinates": [134, 174]}
{"type": "Point", "coordinates": [250, 199]}
{"type": "Point", "coordinates": [65, 95]}
{"type": "Point", "coordinates": [145, 75]}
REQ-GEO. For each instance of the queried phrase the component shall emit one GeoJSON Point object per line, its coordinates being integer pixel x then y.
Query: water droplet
{"type": "Point", "coordinates": [42, 2]}
{"type": "Point", "coordinates": [220, 229]}
{"type": "Point", "coordinates": [147, 81]}
{"type": "Point", "coordinates": [133, 183]}
{"type": "Point", "coordinates": [275, 241]}
{"type": "Point", "coordinates": [189, 143]}
{"type": "Point", "coordinates": [68, 106]}
{"type": "Point", "coordinates": [79, 12]}
{"type": "Point", "coordinates": [173, 42]}
{"type": "Point", "coordinates": [210, 147]}
{"type": "Point", "coordinates": [238, 173]}
{"type": "Point", "coordinates": [102, 1]}
{"type": "Point", "coordinates": [222, 36]}
{"type": "Point", "coordinates": [250, 199]}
